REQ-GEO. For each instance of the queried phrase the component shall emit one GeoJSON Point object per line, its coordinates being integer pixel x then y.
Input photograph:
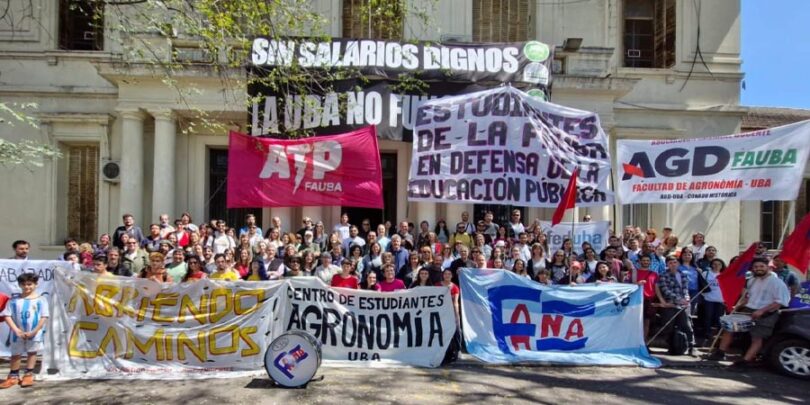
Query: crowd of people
{"type": "Point", "coordinates": [678, 279]}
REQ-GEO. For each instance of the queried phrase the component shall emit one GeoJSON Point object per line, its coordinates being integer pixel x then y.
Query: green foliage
{"type": "Point", "coordinates": [23, 153]}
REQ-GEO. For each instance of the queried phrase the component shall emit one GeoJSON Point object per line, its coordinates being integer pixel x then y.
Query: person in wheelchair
{"type": "Point", "coordinates": [766, 295]}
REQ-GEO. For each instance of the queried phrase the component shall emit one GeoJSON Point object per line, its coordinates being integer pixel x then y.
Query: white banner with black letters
{"type": "Point", "coordinates": [760, 165]}
{"type": "Point", "coordinates": [502, 146]}
{"type": "Point", "coordinates": [369, 328]}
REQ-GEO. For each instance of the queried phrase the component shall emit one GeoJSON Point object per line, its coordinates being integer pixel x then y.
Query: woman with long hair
{"type": "Point", "coordinates": [602, 274]}
{"type": "Point", "coordinates": [503, 235]}
{"type": "Point", "coordinates": [713, 305]}
{"type": "Point", "coordinates": [558, 266]}
{"type": "Point", "coordinates": [434, 243]}
{"type": "Point", "coordinates": [373, 260]}
{"type": "Point", "coordinates": [258, 272]}
{"type": "Point", "coordinates": [441, 231]}
{"type": "Point", "coordinates": [319, 236]}
{"type": "Point", "coordinates": [370, 282]}
{"type": "Point", "coordinates": [194, 269]}
{"type": "Point", "coordinates": [447, 256]}
{"type": "Point", "coordinates": [519, 268]}
{"type": "Point", "coordinates": [538, 260]}
{"type": "Point", "coordinates": [308, 262]}
{"type": "Point", "coordinates": [408, 272]}
{"type": "Point", "coordinates": [242, 266]}
{"type": "Point", "coordinates": [497, 253]}
{"type": "Point", "coordinates": [156, 270]}
{"type": "Point", "coordinates": [422, 279]}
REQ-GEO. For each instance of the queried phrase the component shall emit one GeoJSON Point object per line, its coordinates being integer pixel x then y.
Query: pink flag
{"type": "Point", "coordinates": [316, 171]}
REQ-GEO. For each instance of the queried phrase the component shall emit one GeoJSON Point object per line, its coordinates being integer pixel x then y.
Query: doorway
{"type": "Point", "coordinates": [218, 192]}
{"type": "Point", "coordinates": [388, 163]}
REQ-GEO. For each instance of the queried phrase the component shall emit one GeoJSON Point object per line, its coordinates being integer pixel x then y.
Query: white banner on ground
{"type": "Point", "coordinates": [9, 270]}
{"type": "Point", "coordinates": [502, 146]}
{"type": "Point", "coordinates": [596, 233]}
{"type": "Point", "coordinates": [116, 327]}
{"type": "Point", "coordinates": [369, 328]}
{"type": "Point", "coordinates": [761, 165]}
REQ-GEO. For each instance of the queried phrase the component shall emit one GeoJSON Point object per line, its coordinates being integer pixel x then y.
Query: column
{"type": "Point", "coordinates": [426, 211]}
{"type": "Point", "coordinates": [163, 177]}
{"type": "Point", "coordinates": [131, 191]}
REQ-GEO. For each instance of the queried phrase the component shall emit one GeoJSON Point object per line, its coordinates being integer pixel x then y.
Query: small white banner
{"type": "Point", "coordinates": [596, 233]}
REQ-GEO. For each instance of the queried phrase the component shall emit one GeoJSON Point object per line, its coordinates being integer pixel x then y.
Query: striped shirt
{"type": "Point", "coordinates": [26, 314]}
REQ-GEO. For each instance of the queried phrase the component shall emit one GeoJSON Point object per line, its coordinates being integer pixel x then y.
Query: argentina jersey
{"type": "Point", "coordinates": [26, 314]}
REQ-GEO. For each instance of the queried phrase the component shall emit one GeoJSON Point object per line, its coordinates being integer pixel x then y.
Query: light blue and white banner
{"type": "Point", "coordinates": [509, 319]}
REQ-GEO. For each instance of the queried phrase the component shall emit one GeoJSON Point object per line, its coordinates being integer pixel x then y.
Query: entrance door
{"type": "Point", "coordinates": [388, 163]}
{"type": "Point", "coordinates": [218, 192]}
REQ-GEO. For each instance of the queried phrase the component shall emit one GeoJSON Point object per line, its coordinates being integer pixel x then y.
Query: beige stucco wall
{"type": "Point", "coordinates": [81, 97]}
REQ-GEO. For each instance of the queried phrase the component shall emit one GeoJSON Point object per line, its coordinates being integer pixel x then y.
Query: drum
{"type": "Point", "coordinates": [736, 322]}
{"type": "Point", "coordinates": [293, 358]}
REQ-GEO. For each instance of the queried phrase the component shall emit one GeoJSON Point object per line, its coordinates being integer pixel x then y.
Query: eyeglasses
{"type": "Point", "coordinates": [132, 243]}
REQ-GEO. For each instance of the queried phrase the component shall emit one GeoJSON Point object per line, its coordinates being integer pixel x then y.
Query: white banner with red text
{"type": "Point", "coordinates": [760, 165]}
{"type": "Point", "coordinates": [369, 328]}
{"type": "Point", "coordinates": [502, 146]}
{"type": "Point", "coordinates": [510, 319]}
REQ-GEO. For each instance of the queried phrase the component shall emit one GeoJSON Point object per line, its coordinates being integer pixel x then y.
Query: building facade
{"type": "Point", "coordinates": [650, 68]}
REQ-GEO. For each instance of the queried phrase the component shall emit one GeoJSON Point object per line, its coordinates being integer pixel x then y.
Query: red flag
{"type": "Point", "coordinates": [796, 249]}
{"type": "Point", "coordinates": [732, 280]}
{"type": "Point", "coordinates": [569, 199]}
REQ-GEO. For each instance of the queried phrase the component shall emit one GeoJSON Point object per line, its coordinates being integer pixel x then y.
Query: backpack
{"type": "Point", "coordinates": [678, 343]}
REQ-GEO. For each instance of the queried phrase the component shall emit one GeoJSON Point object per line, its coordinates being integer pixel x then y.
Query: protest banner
{"type": "Point", "coordinates": [502, 146]}
{"type": "Point", "coordinates": [378, 85]}
{"type": "Point", "coordinates": [9, 270]}
{"type": "Point", "coordinates": [760, 165]}
{"type": "Point", "coordinates": [341, 170]}
{"type": "Point", "coordinates": [120, 327]}
{"type": "Point", "coordinates": [373, 329]}
{"type": "Point", "coordinates": [596, 233]}
{"type": "Point", "coordinates": [509, 319]}
{"type": "Point", "coordinates": [802, 299]}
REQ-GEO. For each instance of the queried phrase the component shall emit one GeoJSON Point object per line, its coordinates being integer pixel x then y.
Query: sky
{"type": "Point", "coordinates": [776, 53]}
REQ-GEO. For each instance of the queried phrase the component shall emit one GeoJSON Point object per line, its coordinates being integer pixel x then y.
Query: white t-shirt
{"type": "Point", "coordinates": [764, 291]}
{"type": "Point", "coordinates": [715, 294]}
{"type": "Point", "coordinates": [344, 233]}
{"type": "Point", "coordinates": [222, 243]}
{"type": "Point", "coordinates": [326, 273]}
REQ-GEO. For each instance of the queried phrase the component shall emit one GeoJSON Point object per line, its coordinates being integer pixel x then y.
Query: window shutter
{"type": "Point", "coordinates": [357, 25]}
{"type": "Point", "coordinates": [82, 191]}
{"type": "Point", "coordinates": [664, 33]}
{"type": "Point", "coordinates": [502, 20]}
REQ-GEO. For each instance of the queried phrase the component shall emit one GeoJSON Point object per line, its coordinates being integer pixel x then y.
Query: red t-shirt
{"type": "Point", "coordinates": [348, 282]}
{"type": "Point", "coordinates": [198, 275]}
{"type": "Point", "coordinates": [649, 286]}
{"type": "Point", "coordinates": [397, 284]}
{"type": "Point", "coordinates": [453, 289]}
{"type": "Point", "coordinates": [3, 301]}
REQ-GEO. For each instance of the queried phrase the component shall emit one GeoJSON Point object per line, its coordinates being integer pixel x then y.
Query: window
{"type": "Point", "coordinates": [637, 215]}
{"type": "Point", "coordinates": [82, 191]}
{"type": "Point", "coordinates": [383, 21]}
{"type": "Point", "coordinates": [81, 25]}
{"type": "Point", "coordinates": [649, 33]}
{"type": "Point", "coordinates": [775, 215]}
{"type": "Point", "coordinates": [503, 20]}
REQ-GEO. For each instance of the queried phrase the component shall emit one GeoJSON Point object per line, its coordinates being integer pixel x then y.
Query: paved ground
{"type": "Point", "coordinates": [682, 381]}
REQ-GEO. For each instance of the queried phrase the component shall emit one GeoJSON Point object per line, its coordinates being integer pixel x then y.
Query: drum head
{"type": "Point", "coordinates": [292, 359]}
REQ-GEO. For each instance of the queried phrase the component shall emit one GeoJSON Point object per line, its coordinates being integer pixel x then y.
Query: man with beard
{"type": "Point", "coordinates": [766, 294]}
